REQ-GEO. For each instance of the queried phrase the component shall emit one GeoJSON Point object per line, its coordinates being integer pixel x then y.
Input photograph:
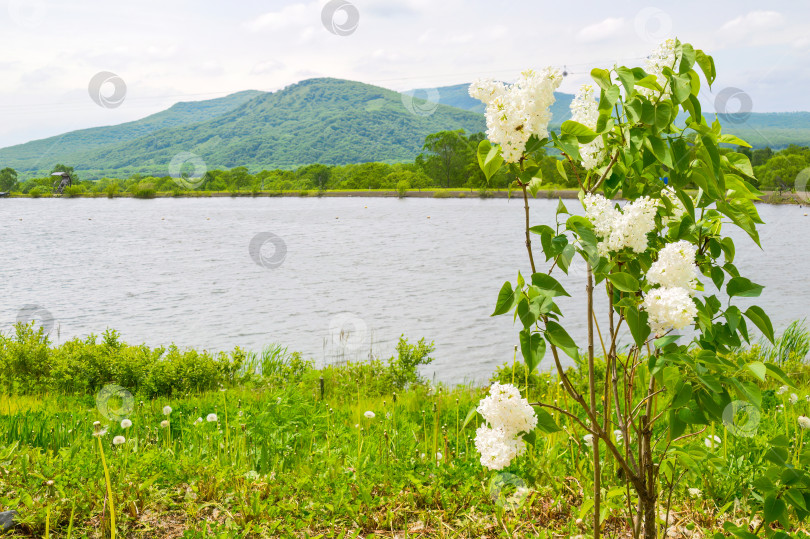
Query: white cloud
{"type": "Point", "coordinates": [289, 16]}
{"type": "Point", "coordinates": [602, 30]}
{"type": "Point", "coordinates": [753, 21]}
{"type": "Point", "coordinates": [197, 49]}
{"type": "Point", "coordinates": [755, 27]}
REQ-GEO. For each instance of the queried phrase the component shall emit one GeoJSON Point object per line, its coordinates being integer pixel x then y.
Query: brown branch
{"type": "Point", "coordinates": [566, 412]}
{"type": "Point", "coordinates": [528, 233]}
{"type": "Point", "coordinates": [607, 171]}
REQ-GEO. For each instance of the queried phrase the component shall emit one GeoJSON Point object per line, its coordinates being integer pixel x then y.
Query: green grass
{"type": "Point", "coordinates": [280, 461]}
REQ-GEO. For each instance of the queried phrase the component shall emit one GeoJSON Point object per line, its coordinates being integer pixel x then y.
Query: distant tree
{"type": "Point", "coordinates": [781, 171]}
{"type": "Point", "coordinates": [760, 156]}
{"type": "Point", "coordinates": [446, 157]}
{"type": "Point", "coordinates": [8, 179]}
{"type": "Point", "coordinates": [240, 178]}
{"type": "Point", "coordinates": [316, 175]}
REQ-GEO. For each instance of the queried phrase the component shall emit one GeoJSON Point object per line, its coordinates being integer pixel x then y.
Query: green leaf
{"type": "Point", "coordinates": [583, 133]}
{"type": "Point", "coordinates": [528, 313]}
{"type": "Point", "coordinates": [731, 139]}
{"type": "Point", "coordinates": [608, 99]}
{"type": "Point", "coordinates": [733, 315]}
{"type": "Point", "coordinates": [637, 322]}
{"type": "Point", "coordinates": [727, 244]}
{"type": "Point", "coordinates": [534, 186]}
{"type": "Point", "coordinates": [549, 284]}
{"type": "Point", "coordinates": [681, 88]}
{"type": "Point", "coordinates": [546, 423]}
{"type": "Point", "coordinates": [624, 282]}
{"type": "Point", "coordinates": [758, 369]}
{"type": "Point", "coordinates": [660, 150]}
{"type": "Point", "coordinates": [627, 79]}
{"type": "Point", "coordinates": [760, 319]}
{"type": "Point", "coordinates": [742, 287]}
{"type": "Point", "coordinates": [489, 158]}
{"type": "Point", "coordinates": [692, 106]}
{"type": "Point", "coordinates": [506, 299]}
{"type": "Point", "coordinates": [533, 348]}
{"type": "Point", "coordinates": [663, 113]}
{"type": "Point", "coordinates": [557, 336]}
{"type": "Point", "coordinates": [665, 341]}
{"type": "Point", "coordinates": [706, 64]}
{"type": "Point", "coordinates": [561, 169]}
{"type": "Point", "coordinates": [741, 163]}
{"type": "Point", "coordinates": [601, 77]}
{"type": "Point", "coordinates": [779, 374]}
{"type": "Point", "coordinates": [795, 498]}
{"type": "Point", "coordinates": [718, 275]}
{"type": "Point", "coordinates": [714, 153]}
{"type": "Point", "coordinates": [773, 509]}
{"type": "Point", "coordinates": [541, 229]}
{"type": "Point", "coordinates": [470, 415]}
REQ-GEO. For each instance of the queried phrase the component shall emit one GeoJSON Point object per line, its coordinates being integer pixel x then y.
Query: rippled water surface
{"type": "Point", "coordinates": [335, 278]}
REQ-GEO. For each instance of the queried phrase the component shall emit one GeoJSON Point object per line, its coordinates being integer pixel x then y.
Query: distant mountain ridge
{"type": "Point", "coordinates": [29, 155]}
{"type": "Point", "coordinates": [323, 120]}
{"type": "Point", "coordinates": [329, 121]}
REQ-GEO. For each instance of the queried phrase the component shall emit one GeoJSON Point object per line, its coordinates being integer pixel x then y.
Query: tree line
{"type": "Point", "coordinates": [448, 160]}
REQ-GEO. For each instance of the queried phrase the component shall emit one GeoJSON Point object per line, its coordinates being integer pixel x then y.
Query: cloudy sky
{"type": "Point", "coordinates": [182, 50]}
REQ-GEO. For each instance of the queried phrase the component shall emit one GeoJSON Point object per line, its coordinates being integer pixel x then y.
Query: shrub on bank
{"type": "Point", "coordinates": [29, 364]}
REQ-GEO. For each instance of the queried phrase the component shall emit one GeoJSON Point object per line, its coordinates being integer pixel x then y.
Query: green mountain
{"type": "Point", "coordinates": [458, 96]}
{"type": "Point", "coordinates": [327, 121]}
{"type": "Point", "coordinates": [45, 153]}
{"type": "Point", "coordinates": [760, 129]}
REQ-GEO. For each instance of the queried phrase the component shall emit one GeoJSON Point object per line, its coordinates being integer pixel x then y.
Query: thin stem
{"type": "Point", "coordinates": [597, 472]}
{"type": "Point", "coordinates": [528, 233]}
{"type": "Point", "coordinates": [607, 171]}
{"type": "Point", "coordinates": [109, 487]}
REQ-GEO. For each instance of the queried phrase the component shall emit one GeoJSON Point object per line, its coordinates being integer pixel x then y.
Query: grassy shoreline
{"type": "Point", "coordinates": [377, 452]}
{"type": "Point", "coordinates": [769, 197]}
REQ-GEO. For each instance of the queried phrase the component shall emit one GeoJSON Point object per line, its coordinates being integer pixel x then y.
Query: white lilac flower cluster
{"type": "Point", "coordinates": [620, 228]}
{"type": "Point", "coordinates": [663, 56]}
{"type": "Point", "coordinates": [670, 306]}
{"type": "Point", "coordinates": [675, 266]}
{"type": "Point", "coordinates": [515, 113]}
{"type": "Point", "coordinates": [509, 415]}
{"type": "Point", "coordinates": [585, 110]}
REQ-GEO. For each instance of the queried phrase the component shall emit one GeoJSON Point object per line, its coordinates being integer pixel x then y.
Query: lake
{"type": "Point", "coordinates": [333, 278]}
